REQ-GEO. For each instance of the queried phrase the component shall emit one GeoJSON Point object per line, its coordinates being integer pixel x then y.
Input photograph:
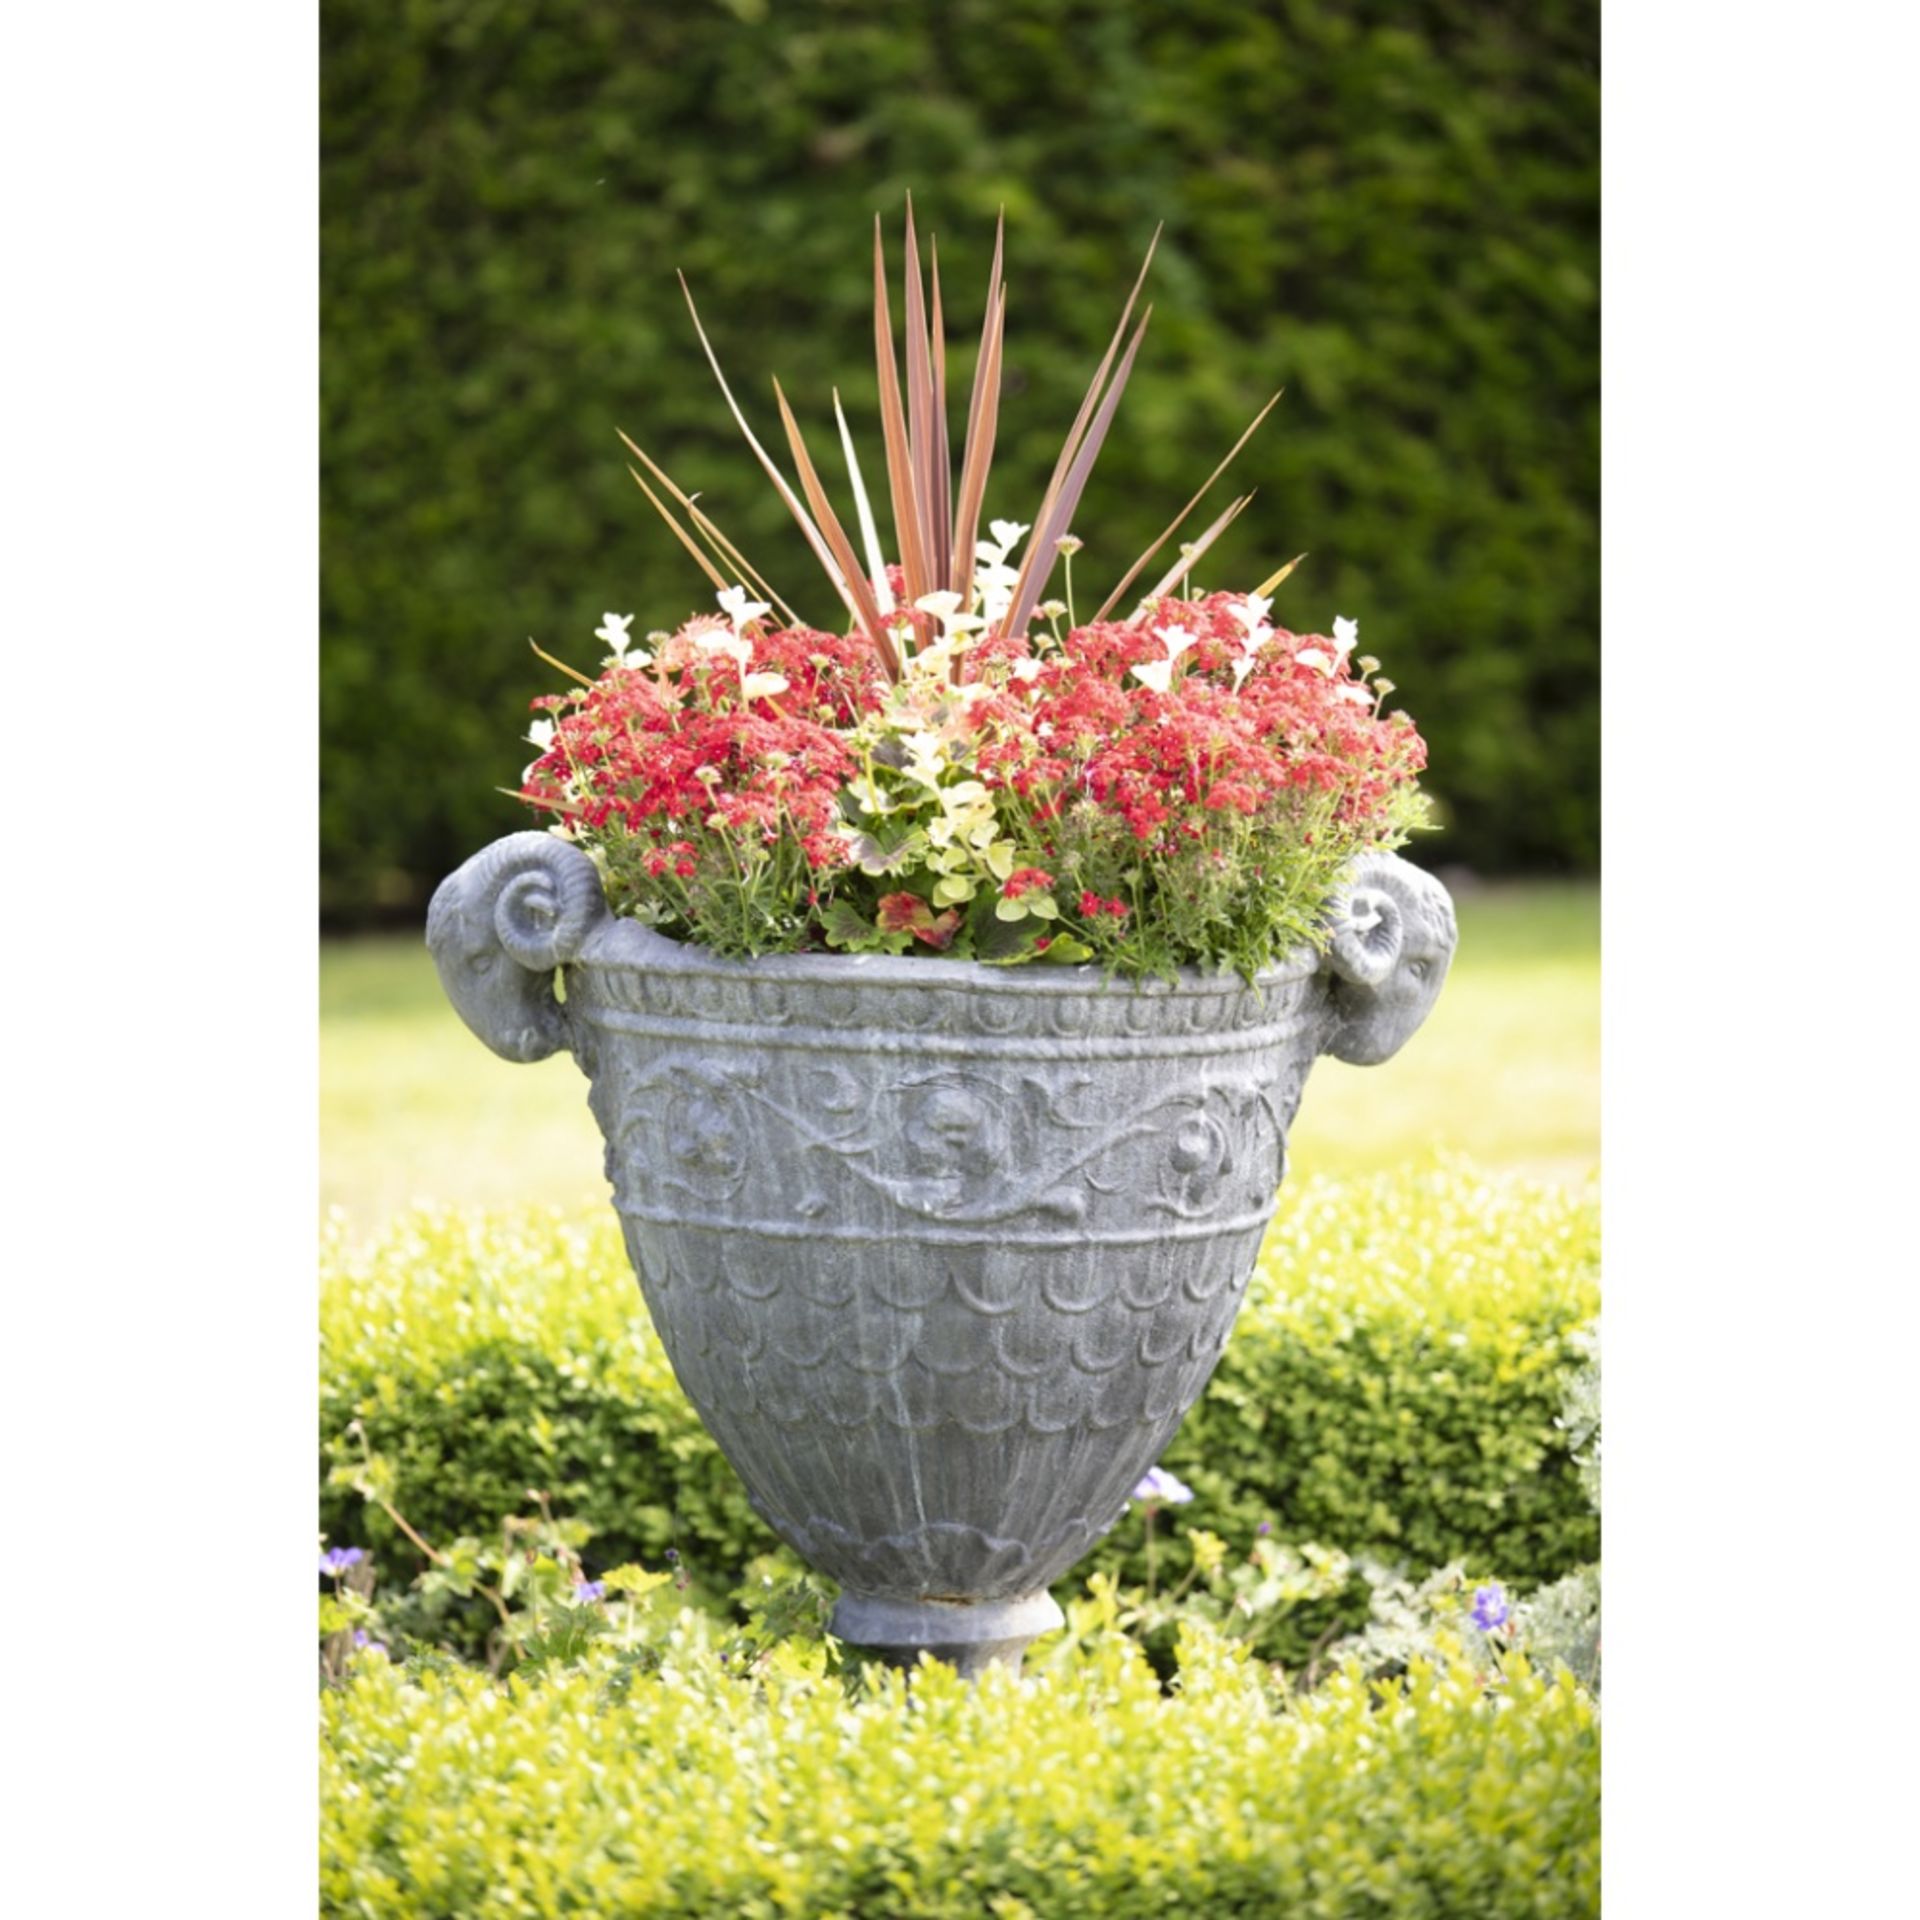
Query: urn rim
{"type": "Point", "coordinates": [619, 941]}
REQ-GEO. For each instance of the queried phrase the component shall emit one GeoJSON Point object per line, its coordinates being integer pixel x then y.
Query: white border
{"type": "Point", "coordinates": [1760, 440]}
{"type": "Point", "coordinates": [162, 171]}
{"type": "Point", "coordinates": [1759, 327]}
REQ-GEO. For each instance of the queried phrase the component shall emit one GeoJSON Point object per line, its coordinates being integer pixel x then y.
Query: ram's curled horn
{"type": "Point", "coordinates": [501, 926]}
{"type": "Point", "coordinates": [1368, 928]}
{"type": "Point", "coordinates": [548, 896]}
{"type": "Point", "coordinates": [1391, 941]}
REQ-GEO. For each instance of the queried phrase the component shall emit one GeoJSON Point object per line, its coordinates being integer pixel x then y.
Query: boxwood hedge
{"type": "Point", "coordinates": [1391, 1388]}
{"type": "Point", "coordinates": [1085, 1790]}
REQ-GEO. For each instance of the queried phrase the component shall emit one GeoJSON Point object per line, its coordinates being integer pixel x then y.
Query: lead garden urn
{"type": "Point", "coordinates": [941, 1252]}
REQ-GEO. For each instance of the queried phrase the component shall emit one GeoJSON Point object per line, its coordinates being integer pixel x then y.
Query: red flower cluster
{"type": "Point", "coordinates": [1234, 730]}
{"type": "Point", "coordinates": [678, 857]}
{"type": "Point", "coordinates": [658, 754]}
{"type": "Point", "coordinates": [759, 785]}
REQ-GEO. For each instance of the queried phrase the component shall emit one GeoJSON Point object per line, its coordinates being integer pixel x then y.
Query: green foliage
{"type": "Point", "coordinates": [486, 1360]}
{"type": "Point", "coordinates": [1391, 1390]}
{"type": "Point", "coordinates": [686, 1789]}
{"type": "Point", "coordinates": [1580, 1418]}
{"type": "Point", "coordinates": [1395, 1383]}
{"type": "Point", "coordinates": [1391, 211]}
{"type": "Point", "coordinates": [1561, 1624]}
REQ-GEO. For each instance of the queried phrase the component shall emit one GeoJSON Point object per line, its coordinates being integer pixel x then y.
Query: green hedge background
{"type": "Point", "coordinates": [1390, 209]}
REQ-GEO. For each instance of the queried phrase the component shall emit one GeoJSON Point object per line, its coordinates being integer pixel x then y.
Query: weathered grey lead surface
{"type": "Point", "coordinates": [941, 1253]}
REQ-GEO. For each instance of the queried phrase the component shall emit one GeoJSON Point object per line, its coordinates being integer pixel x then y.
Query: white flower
{"type": "Point", "coordinates": [1256, 631]}
{"type": "Point", "coordinates": [1313, 657]}
{"type": "Point", "coordinates": [945, 607]}
{"type": "Point", "coordinates": [540, 734]}
{"type": "Point", "coordinates": [1252, 612]}
{"type": "Point", "coordinates": [735, 646]}
{"type": "Point", "coordinates": [613, 630]}
{"type": "Point", "coordinates": [1241, 668]}
{"type": "Point", "coordinates": [993, 585]}
{"type": "Point", "coordinates": [1007, 532]}
{"type": "Point", "coordinates": [1026, 669]}
{"type": "Point", "coordinates": [739, 609]}
{"type": "Point", "coordinates": [1345, 633]}
{"type": "Point", "coordinates": [1358, 695]}
{"type": "Point", "coordinates": [927, 756]}
{"type": "Point", "coordinates": [932, 666]}
{"type": "Point", "coordinates": [1154, 673]}
{"type": "Point", "coordinates": [760, 686]}
{"type": "Point", "coordinates": [1176, 639]}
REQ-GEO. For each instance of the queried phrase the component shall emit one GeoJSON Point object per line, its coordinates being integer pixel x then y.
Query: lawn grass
{"type": "Point", "coordinates": [1506, 1071]}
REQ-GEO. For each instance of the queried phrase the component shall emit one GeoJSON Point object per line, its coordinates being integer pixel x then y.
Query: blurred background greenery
{"type": "Point", "coordinates": [1388, 209]}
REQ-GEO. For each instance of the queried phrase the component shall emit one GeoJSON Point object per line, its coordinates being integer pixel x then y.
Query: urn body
{"type": "Point", "coordinates": [941, 1253]}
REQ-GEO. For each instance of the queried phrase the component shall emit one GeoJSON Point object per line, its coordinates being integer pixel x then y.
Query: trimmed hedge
{"type": "Point", "coordinates": [1391, 211]}
{"type": "Point", "coordinates": [1082, 1791]}
{"type": "Point", "coordinates": [1391, 1388]}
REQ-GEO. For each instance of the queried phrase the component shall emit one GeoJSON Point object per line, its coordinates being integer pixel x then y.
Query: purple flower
{"type": "Point", "coordinates": [1159, 1485]}
{"type": "Point", "coordinates": [673, 1556]}
{"type": "Point", "coordinates": [1265, 1527]}
{"type": "Point", "coordinates": [336, 1560]}
{"type": "Point", "coordinates": [586, 1590]}
{"type": "Point", "coordinates": [366, 1642]}
{"type": "Point", "coordinates": [1490, 1608]}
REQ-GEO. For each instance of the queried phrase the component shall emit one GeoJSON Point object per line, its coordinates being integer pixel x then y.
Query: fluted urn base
{"type": "Point", "coordinates": [970, 1636]}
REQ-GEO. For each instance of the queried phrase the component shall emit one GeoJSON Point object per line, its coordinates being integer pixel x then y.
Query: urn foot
{"type": "Point", "coordinates": [969, 1636]}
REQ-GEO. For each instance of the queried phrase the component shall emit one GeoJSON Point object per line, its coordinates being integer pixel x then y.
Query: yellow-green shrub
{"type": "Point", "coordinates": [1391, 1387]}
{"type": "Point", "coordinates": [1394, 1384]}
{"type": "Point", "coordinates": [1083, 1791]}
